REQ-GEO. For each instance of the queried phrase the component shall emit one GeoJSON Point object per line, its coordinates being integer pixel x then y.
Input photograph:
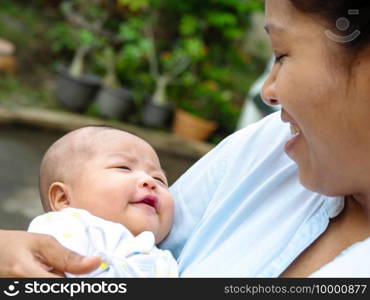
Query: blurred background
{"type": "Point", "coordinates": [155, 68]}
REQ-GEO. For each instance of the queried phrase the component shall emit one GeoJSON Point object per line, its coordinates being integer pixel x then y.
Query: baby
{"type": "Point", "coordinates": [109, 197]}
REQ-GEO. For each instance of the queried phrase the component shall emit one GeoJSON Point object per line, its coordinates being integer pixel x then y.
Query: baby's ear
{"type": "Point", "coordinates": [59, 196]}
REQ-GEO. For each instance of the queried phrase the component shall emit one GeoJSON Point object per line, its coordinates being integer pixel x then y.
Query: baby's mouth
{"type": "Point", "coordinates": [150, 200]}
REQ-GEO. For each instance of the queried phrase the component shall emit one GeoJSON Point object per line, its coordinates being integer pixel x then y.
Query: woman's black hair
{"type": "Point", "coordinates": [356, 13]}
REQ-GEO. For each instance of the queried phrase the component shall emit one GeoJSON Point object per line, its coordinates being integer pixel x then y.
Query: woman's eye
{"type": "Point", "coordinates": [280, 58]}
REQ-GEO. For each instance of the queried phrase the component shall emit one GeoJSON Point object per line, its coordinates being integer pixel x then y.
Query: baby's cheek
{"type": "Point", "coordinates": [168, 210]}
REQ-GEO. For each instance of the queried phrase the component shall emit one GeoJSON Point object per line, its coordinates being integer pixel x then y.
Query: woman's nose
{"type": "Point", "coordinates": [268, 92]}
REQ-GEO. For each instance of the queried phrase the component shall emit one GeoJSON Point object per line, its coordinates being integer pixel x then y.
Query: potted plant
{"type": "Point", "coordinates": [158, 109]}
{"type": "Point", "coordinates": [113, 101]}
{"type": "Point", "coordinates": [216, 86]}
{"type": "Point", "coordinates": [197, 114]}
{"type": "Point", "coordinates": [167, 59]}
{"type": "Point", "coordinates": [192, 127]}
{"type": "Point", "coordinates": [76, 88]}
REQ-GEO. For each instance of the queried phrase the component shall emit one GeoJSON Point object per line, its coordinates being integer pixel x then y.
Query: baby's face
{"type": "Point", "coordinates": [123, 182]}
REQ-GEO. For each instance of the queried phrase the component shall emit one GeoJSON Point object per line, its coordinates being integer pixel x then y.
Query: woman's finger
{"type": "Point", "coordinates": [62, 259]}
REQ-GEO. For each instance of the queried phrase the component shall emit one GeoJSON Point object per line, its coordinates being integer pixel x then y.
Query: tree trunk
{"type": "Point", "coordinates": [160, 95]}
{"type": "Point", "coordinates": [77, 65]}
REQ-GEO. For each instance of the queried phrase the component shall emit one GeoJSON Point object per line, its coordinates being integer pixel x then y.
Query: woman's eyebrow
{"type": "Point", "coordinates": [273, 27]}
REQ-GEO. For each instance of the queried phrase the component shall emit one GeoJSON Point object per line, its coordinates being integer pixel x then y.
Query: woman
{"type": "Point", "coordinates": [321, 80]}
{"type": "Point", "coordinates": [240, 210]}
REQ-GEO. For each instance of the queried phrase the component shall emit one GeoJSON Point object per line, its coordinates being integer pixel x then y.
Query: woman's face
{"type": "Point", "coordinates": [327, 106]}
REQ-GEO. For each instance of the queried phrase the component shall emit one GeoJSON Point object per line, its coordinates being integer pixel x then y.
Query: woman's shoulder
{"type": "Point", "coordinates": [270, 125]}
{"type": "Point", "coordinates": [352, 262]}
{"type": "Point", "coordinates": [263, 137]}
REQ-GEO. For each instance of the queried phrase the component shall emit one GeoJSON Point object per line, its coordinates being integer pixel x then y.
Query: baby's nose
{"type": "Point", "coordinates": [147, 182]}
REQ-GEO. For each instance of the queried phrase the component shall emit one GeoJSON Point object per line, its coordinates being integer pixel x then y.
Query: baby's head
{"type": "Point", "coordinates": [112, 174]}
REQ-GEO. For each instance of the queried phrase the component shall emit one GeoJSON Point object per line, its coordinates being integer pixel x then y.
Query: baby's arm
{"type": "Point", "coordinates": [66, 227]}
{"type": "Point", "coordinates": [122, 254]}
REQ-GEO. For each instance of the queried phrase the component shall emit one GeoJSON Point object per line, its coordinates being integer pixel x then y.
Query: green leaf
{"type": "Point", "coordinates": [221, 19]}
{"type": "Point", "coordinates": [195, 47]}
{"type": "Point", "coordinates": [135, 5]}
{"type": "Point", "coordinates": [188, 25]}
{"type": "Point", "coordinates": [233, 33]}
{"type": "Point", "coordinates": [127, 33]}
{"type": "Point", "coordinates": [86, 37]}
{"type": "Point", "coordinates": [131, 51]}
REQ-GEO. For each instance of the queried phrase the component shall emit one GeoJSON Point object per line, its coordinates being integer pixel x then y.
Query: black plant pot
{"type": "Point", "coordinates": [114, 103]}
{"type": "Point", "coordinates": [154, 115]}
{"type": "Point", "coordinates": [76, 94]}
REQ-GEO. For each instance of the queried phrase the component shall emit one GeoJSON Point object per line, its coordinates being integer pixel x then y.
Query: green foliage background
{"type": "Point", "coordinates": [211, 33]}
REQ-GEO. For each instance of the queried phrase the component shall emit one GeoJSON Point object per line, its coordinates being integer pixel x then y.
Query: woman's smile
{"type": "Point", "coordinates": [289, 146]}
{"type": "Point", "coordinates": [294, 130]}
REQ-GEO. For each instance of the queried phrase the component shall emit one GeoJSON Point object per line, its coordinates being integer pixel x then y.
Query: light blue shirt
{"type": "Point", "coordinates": [241, 211]}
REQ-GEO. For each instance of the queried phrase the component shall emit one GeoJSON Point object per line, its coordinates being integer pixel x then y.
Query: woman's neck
{"type": "Point", "coordinates": [355, 218]}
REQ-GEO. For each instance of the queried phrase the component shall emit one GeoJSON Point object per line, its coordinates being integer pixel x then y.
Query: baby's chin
{"type": "Point", "coordinates": [137, 230]}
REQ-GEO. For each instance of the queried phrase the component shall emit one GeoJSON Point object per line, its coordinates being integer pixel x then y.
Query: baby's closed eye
{"type": "Point", "coordinates": [123, 167]}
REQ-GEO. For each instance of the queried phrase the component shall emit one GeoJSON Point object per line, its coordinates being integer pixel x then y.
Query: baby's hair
{"type": "Point", "coordinates": [60, 160]}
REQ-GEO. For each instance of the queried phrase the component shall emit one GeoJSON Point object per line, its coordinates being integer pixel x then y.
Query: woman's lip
{"type": "Point", "coordinates": [286, 118]}
{"type": "Point", "coordinates": [289, 145]}
{"type": "Point", "coordinates": [294, 130]}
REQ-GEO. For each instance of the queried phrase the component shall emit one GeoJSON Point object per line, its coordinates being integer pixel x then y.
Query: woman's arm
{"type": "Point", "coordinates": [26, 254]}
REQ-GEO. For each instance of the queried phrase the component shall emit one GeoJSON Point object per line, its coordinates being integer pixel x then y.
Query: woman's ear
{"type": "Point", "coordinates": [59, 196]}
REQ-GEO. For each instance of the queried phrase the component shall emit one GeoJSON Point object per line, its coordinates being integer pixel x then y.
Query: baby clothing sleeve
{"type": "Point", "coordinates": [123, 255]}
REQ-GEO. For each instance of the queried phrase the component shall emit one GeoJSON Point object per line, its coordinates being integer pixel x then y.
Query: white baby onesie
{"type": "Point", "coordinates": [123, 254]}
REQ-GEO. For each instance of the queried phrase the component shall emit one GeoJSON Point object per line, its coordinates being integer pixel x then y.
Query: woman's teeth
{"type": "Point", "coordinates": [294, 130]}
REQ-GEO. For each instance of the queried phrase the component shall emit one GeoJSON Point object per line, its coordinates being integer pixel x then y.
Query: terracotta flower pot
{"type": "Point", "coordinates": [7, 63]}
{"type": "Point", "coordinates": [7, 58]}
{"type": "Point", "coordinates": [191, 127]}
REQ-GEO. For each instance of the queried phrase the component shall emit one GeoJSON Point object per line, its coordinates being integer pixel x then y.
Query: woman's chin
{"type": "Point", "coordinates": [308, 180]}
{"type": "Point", "coordinates": [320, 186]}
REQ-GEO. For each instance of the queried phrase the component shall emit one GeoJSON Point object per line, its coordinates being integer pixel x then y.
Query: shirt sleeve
{"type": "Point", "coordinates": [194, 191]}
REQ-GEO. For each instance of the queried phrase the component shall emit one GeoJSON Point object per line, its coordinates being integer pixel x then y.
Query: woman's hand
{"type": "Point", "coordinates": [24, 254]}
